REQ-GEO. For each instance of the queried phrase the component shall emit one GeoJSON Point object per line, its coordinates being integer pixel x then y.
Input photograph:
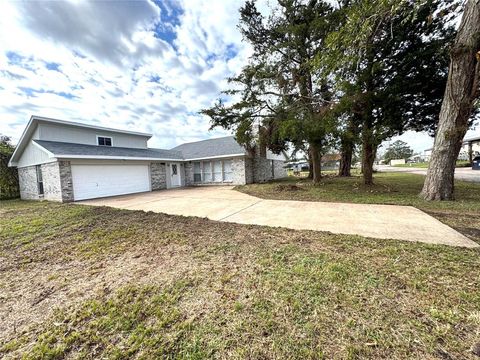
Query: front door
{"type": "Point", "coordinates": [175, 174]}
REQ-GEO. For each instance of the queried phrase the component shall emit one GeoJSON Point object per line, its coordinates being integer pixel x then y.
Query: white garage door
{"type": "Point", "coordinates": [93, 181]}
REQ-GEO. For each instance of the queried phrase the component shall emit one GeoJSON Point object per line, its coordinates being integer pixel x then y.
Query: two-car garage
{"type": "Point", "coordinates": [93, 181]}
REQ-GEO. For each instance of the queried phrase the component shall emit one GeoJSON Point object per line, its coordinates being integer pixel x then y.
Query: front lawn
{"type": "Point", "coordinates": [91, 282]}
{"type": "Point", "coordinates": [390, 188]}
{"type": "Point", "coordinates": [423, 165]}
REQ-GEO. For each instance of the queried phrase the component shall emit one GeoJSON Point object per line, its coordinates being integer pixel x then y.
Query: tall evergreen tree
{"type": "Point", "coordinates": [389, 59]}
{"type": "Point", "coordinates": [462, 88]}
{"type": "Point", "coordinates": [398, 150]}
{"type": "Point", "coordinates": [278, 90]}
{"type": "Point", "coordinates": [9, 187]}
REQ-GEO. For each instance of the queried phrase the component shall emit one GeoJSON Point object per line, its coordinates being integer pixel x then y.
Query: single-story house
{"type": "Point", "coordinates": [470, 148]}
{"type": "Point", "coordinates": [67, 161]}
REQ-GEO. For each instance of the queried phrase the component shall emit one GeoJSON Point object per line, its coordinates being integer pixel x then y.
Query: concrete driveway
{"type": "Point", "coordinates": [221, 203]}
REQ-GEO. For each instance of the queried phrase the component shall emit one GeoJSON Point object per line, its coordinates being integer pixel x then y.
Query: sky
{"type": "Point", "coordinates": [142, 65]}
{"type": "Point", "coordinates": [136, 65]}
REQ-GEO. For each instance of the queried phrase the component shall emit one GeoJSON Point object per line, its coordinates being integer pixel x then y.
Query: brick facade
{"type": "Point", "coordinates": [27, 178]}
{"type": "Point", "coordinates": [51, 181]}
{"type": "Point", "coordinates": [279, 169]}
{"type": "Point", "coordinates": [238, 169]}
{"type": "Point", "coordinates": [57, 182]}
{"type": "Point", "coordinates": [158, 176]}
{"type": "Point", "coordinates": [66, 181]}
{"type": "Point", "coordinates": [249, 166]}
{"type": "Point", "coordinates": [246, 170]}
{"type": "Point", "coordinates": [262, 169]}
{"type": "Point", "coordinates": [266, 169]}
{"type": "Point", "coordinates": [189, 174]}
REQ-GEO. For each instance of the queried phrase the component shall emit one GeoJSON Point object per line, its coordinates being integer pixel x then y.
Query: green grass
{"type": "Point", "coordinates": [423, 165]}
{"type": "Point", "coordinates": [390, 188]}
{"type": "Point", "coordinates": [460, 163]}
{"type": "Point", "coordinates": [159, 286]}
{"type": "Point", "coordinates": [133, 321]}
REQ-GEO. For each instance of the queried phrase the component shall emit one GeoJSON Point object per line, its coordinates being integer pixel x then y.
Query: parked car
{"type": "Point", "coordinates": [476, 163]}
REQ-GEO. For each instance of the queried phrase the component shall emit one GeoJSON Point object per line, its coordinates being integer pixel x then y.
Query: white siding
{"type": "Point", "coordinates": [75, 134]}
{"type": "Point", "coordinates": [33, 155]}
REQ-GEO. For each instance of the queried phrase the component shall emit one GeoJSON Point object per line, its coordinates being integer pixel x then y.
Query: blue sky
{"type": "Point", "coordinates": [140, 65]}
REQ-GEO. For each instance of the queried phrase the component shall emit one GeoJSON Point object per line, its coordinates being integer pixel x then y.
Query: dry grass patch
{"type": "Point", "coordinates": [128, 284]}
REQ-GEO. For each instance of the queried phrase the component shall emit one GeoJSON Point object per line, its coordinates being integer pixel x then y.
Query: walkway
{"type": "Point", "coordinates": [224, 204]}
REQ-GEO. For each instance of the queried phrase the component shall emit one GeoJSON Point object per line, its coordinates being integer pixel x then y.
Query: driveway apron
{"type": "Point", "coordinates": [221, 203]}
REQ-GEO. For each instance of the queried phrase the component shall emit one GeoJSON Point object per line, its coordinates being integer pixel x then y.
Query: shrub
{"type": "Point", "coordinates": [9, 187]}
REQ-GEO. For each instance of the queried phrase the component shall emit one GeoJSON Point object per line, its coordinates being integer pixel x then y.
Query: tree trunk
{"type": "Point", "coordinates": [348, 145]}
{"type": "Point", "coordinates": [368, 150]}
{"type": "Point", "coordinates": [316, 157]}
{"type": "Point", "coordinates": [460, 92]}
{"type": "Point", "coordinates": [346, 160]}
{"type": "Point", "coordinates": [368, 139]}
{"type": "Point", "coordinates": [367, 162]}
{"type": "Point", "coordinates": [310, 165]}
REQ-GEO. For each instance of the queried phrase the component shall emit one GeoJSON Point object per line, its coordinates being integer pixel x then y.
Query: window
{"type": "Point", "coordinates": [104, 141]}
{"type": "Point", "coordinates": [213, 171]}
{"type": "Point", "coordinates": [174, 169]}
{"type": "Point", "coordinates": [217, 171]}
{"type": "Point", "coordinates": [207, 171]}
{"type": "Point", "coordinates": [197, 172]}
{"type": "Point", "coordinates": [39, 179]}
{"type": "Point", "coordinates": [227, 170]}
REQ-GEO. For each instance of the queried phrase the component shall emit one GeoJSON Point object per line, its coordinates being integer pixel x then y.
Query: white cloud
{"type": "Point", "coordinates": [103, 63]}
{"type": "Point", "coordinates": [109, 67]}
{"type": "Point", "coordinates": [116, 32]}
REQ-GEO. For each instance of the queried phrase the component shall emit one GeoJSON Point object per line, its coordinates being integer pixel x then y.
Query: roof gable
{"type": "Point", "coordinates": [211, 148]}
{"type": "Point", "coordinates": [204, 149]}
{"type": "Point", "coordinates": [35, 120]}
{"type": "Point", "coordinates": [72, 151]}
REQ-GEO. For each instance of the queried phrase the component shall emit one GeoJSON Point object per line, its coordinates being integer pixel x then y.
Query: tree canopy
{"type": "Point", "coordinates": [398, 150]}
{"type": "Point", "coordinates": [8, 176]}
{"type": "Point", "coordinates": [322, 75]}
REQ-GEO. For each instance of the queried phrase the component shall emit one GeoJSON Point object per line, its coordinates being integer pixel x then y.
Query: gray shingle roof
{"type": "Point", "coordinates": [69, 149]}
{"type": "Point", "coordinates": [194, 150]}
{"type": "Point", "coordinates": [210, 148]}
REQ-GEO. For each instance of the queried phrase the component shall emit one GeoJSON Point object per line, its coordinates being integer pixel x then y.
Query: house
{"type": "Point", "coordinates": [417, 158]}
{"type": "Point", "coordinates": [298, 166]}
{"type": "Point", "coordinates": [427, 154]}
{"type": "Point", "coordinates": [67, 161]}
{"type": "Point", "coordinates": [470, 148]}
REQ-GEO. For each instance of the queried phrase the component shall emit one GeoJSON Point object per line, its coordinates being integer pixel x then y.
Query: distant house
{"type": "Point", "coordinates": [67, 161]}
{"type": "Point", "coordinates": [427, 154]}
{"type": "Point", "coordinates": [328, 162]}
{"type": "Point", "coordinates": [470, 148]}
{"type": "Point", "coordinates": [417, 158]}
{"type": "Point", "coordinates": [297, 166]}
